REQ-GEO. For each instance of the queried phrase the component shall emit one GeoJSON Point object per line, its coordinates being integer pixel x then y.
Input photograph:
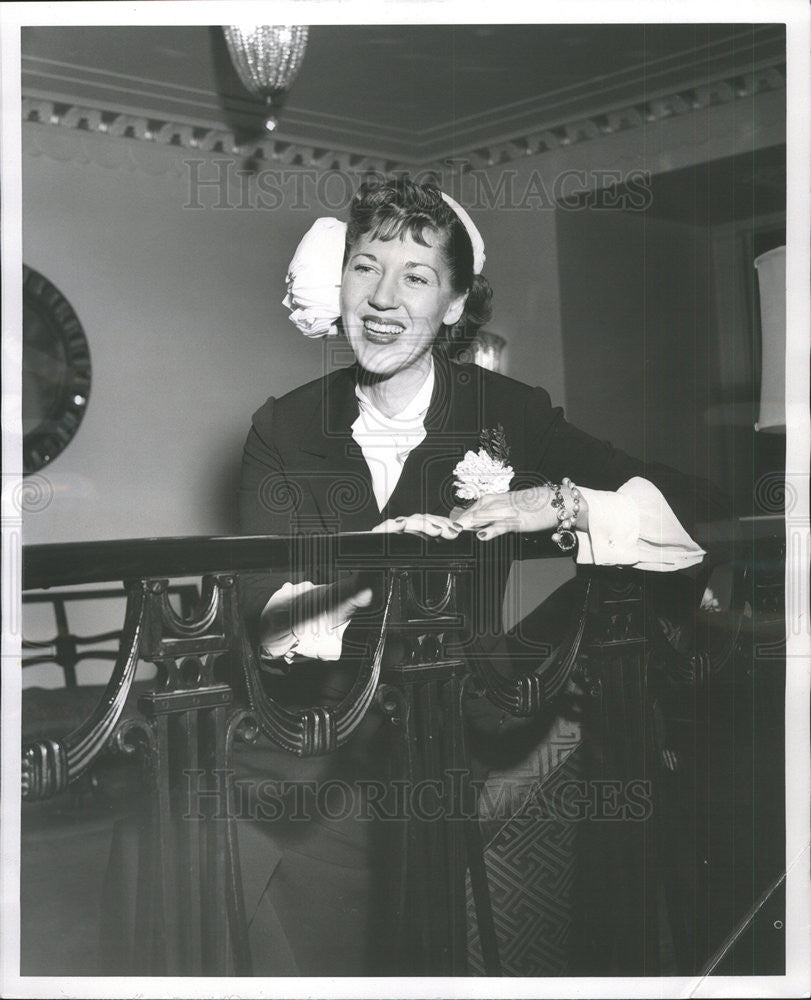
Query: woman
{"type": "Point", "coordinates": [396, 427]}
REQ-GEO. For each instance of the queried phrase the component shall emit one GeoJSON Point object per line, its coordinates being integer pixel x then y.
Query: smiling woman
{"type": "Point", "coordinates": [397, 292]}
{"type": "Point", "coordinates": [394, 297]}
{"type": "Point", "coordinates": [376, 446]}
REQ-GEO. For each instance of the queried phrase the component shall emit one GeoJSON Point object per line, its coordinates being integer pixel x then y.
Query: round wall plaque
{"type": "Point", "coordinates": [56, 371]}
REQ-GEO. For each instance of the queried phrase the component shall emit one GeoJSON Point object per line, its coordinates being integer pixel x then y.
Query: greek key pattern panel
{"type": "Point", "coordinates": [531, 871]}
{"type": "Point", "coordinates": [506, 790]}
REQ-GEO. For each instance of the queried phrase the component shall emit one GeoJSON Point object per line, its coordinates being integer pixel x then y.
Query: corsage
{"type": "Point", "coordinates": [485, 471]}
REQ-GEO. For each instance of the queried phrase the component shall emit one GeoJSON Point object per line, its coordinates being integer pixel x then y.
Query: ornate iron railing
{"type": "Point", "coordinates": [209, 691]}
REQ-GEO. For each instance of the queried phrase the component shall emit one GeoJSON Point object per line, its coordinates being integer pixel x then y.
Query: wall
{"type": "Point", "coordinates": [182, 310]}
{"type": "Point", "coordinates": [187, 334]}
{"type": "Point", "coordinates": [520, 237]}
{"type": "Point", "coordinates": [637, 333]}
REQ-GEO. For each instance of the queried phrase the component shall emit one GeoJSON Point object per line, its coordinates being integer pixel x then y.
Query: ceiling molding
{"type": "Point", "coordinates": [505, 147]}
{"type": "Point", "coordinates": [639, 114]}
{"type": "Point", "coordinates": [214, 105]}
{"type": "Point", "coordinates": [182, 136]}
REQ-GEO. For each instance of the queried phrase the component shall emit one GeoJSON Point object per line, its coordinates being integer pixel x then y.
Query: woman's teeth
{"type": "Point", "coordinates": [379, 332]}
{"type": "Point", "coordinates": [376, 327]}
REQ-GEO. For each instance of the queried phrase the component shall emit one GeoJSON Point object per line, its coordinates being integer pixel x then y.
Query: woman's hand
{"type": "Point", "coordinates": [523, 511]}
{"type": "Point", "coordinates": [424, 525]}
{"type": "Point", "coordinates": [304, 618]}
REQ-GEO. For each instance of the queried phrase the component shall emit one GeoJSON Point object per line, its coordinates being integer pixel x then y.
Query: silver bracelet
{"type": "Point", "coordinates": [564, 537]}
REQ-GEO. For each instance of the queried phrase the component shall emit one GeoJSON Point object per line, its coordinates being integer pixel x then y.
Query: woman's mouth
{"type": "Point", "coordinates": [378, 331]}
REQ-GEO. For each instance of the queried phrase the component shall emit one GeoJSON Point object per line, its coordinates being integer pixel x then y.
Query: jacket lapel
{"type": "Point", "coordinates": [452, 424]}
{"type": "Point", "coordinates": [336, 472]}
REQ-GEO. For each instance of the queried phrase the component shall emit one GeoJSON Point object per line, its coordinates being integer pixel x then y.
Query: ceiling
{"type": "Point", "coordinates": [413, 93]}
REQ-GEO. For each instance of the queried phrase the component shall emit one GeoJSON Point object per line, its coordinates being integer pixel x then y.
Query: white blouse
{"type": "Point", "coordinates": [633, 527]}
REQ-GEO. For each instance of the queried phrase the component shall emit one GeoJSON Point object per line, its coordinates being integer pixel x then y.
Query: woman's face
{"type": "Point", "coordinates": [395, 296]}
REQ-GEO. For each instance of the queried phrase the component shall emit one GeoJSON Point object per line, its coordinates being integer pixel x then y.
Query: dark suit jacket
{"type": "Point", "coordinates": [303, 472]}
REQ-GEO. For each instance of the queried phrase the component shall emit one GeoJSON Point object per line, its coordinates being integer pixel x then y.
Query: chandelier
{"type": "Point", "coordinates": [267, 58]}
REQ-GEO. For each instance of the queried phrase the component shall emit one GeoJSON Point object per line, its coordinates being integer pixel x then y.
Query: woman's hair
{"type": "Point", "coordinates": [385, 209]}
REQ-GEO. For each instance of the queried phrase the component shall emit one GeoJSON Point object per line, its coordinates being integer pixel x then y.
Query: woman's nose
{"type": "Point", "coordinates": [384, 294]}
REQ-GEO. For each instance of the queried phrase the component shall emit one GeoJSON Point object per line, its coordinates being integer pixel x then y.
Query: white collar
{"type": "Point", "coordinates": [413, 413]}
{"type": "Point", "coordinates": [386, 442]}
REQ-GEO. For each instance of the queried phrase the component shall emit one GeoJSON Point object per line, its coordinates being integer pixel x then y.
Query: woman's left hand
{"type": "Point", "coordinates": [424, 525]}
{"type": "Point", "coordinates": [521, 511]}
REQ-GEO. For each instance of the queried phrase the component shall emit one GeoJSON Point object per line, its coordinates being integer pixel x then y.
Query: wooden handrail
{"type": "Point", "coordinates": [71, 563]}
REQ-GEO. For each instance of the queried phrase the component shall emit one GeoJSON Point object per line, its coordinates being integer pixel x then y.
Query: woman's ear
{"type": "Point", "coordinates": [455, 310]}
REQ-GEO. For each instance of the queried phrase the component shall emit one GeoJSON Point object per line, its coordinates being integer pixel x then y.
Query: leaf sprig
{"type": "Point", "coordinates": [494, 442]}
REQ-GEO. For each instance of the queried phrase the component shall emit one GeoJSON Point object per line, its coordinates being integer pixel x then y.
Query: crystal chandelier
{"type": "Point", "coordinates": [267, 58]}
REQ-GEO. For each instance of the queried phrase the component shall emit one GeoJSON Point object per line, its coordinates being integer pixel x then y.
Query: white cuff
{"type": "Point", "coordinates": [613, 535]}
{"type": "Point", "coordinates": [635, 527]}
{"type": "Point", "coordinates": [314, 638]}
{"type": "Point", "coordinates": [318, 640]}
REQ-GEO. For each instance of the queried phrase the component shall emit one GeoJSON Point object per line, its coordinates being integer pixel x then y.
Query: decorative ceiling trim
{"type": "Point", "coordinates": [179, 135]}
{"type": "Point", "coordinates": [279, 151]}
{"type": "Point", "coordinates": [685, 101]}
{"type": "Point", "coordinates": [415, 140]}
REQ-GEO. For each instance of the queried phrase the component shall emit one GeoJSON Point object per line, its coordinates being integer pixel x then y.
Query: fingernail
{"type": "Point", "coordinates": [481, 534]}
{"type": "Point", "coordinates": [458, 526]}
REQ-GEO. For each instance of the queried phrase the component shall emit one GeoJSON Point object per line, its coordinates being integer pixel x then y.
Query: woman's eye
{"type": "Point", "coordinates": [363, 268]}
{"type": "Point", "coordinates": [415, 279]}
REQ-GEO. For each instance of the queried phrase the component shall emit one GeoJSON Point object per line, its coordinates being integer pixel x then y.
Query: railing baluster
{"type": "Point", "coordinates": [167, 951]}
{"type": "Point", "coordinates": [185, 803]}
{"type": "Point", "coordinates": [214, 911]}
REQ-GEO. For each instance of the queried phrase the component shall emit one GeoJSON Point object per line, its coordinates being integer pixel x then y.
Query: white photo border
{"type": "Point", "coordinates": [795, 13]}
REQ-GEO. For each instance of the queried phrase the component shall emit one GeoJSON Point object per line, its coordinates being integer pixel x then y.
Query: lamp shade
{"type": "Point", "coordinates": [771, 272]}
{"type": "Point", "coordinates": [488, 350]}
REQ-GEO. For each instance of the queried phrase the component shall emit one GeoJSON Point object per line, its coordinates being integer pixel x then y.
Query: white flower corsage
{"type": "Point", "coordinates": [314, 279]}
{"type": "Point", "coordinates": [485, 471]}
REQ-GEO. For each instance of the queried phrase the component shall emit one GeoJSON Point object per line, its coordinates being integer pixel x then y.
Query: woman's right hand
{"type": "Point", "coordinates": [307, 619]}
{"type": "Point", "coordinates": [526, 511]}
{"type": "Point", "coordinates": [424, 525]}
